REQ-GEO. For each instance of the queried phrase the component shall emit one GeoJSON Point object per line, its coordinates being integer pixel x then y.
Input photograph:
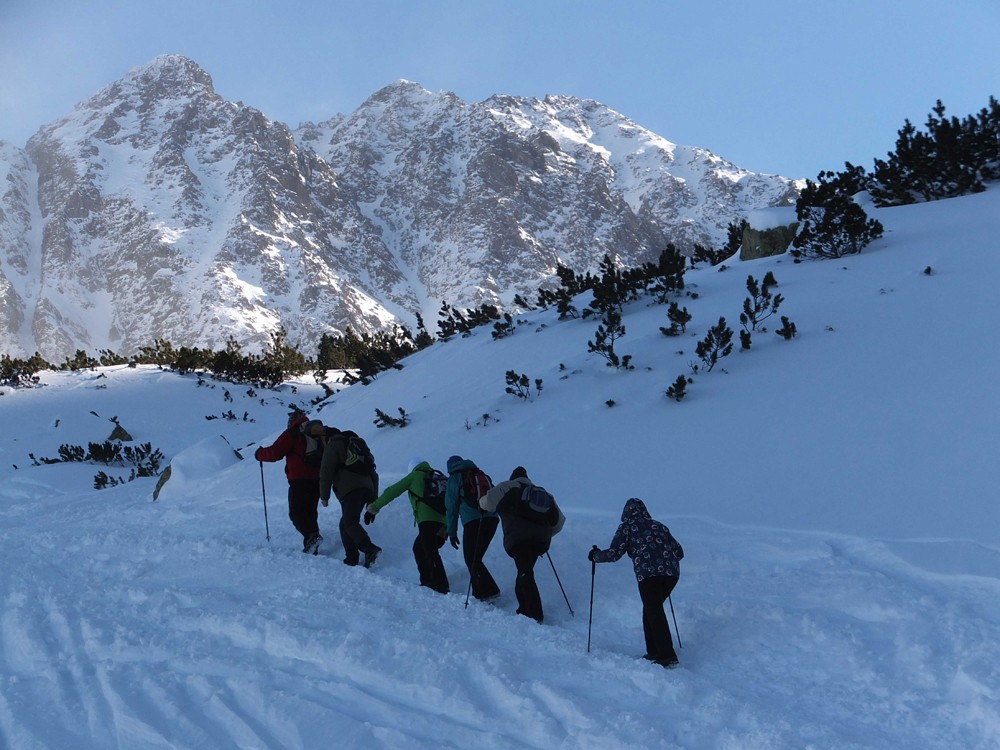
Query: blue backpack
{"type": "Point", "coordinates": [538, 505]}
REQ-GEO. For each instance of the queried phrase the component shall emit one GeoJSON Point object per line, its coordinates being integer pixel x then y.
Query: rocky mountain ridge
{"type": "Point", "coordinates": [159, 210]}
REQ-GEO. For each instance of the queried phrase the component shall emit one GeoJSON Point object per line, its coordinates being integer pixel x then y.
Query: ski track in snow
{"type": "Point", "coordinates": [101, 649]}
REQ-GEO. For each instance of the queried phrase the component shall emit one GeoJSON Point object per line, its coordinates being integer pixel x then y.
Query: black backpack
{"type": "Point", "coordinates": [475, 484]}
{"type": "Point", "coordinates": [358, 456]}
{"type": "Point", "coordinates": [313, 453]}
{"type": "Point", "coordinates": [538, 506]}
{"type": "Point", "coordinates": [435, 486]}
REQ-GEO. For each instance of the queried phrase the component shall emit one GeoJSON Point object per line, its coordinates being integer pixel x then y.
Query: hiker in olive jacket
{"type": "Point", "coordinates": [478, 529]}
{"type": "Point", "coordinates": [354, 491]}
{"type": "Point", "coordinates": [430, 524]}
{"type": "Point", "coordinates": [656, 559]}
{"type": "Point", "coordinates": [524, 539]}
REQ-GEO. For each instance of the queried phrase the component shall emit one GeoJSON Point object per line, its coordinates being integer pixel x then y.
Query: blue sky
{"type": "Point", "coordinates": [789, 87]}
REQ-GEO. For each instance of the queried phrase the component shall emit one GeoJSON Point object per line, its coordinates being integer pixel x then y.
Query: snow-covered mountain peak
{"type": "Point", "coordinates": [164, 78]}
{"type": "Point", "coordinates": [164, 211]}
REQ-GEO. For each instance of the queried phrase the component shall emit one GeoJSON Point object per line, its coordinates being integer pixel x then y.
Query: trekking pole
{"type": "Point", "coordinates": [560, 585]}
{"type": "Point", "coordinates": [679, 644]}
{"type": "Point", "coordinates": [590, 624]}
{"type": "Point", "coordinates": [263, 492]}
{"type": "Point", "coordinates": [475, 559]}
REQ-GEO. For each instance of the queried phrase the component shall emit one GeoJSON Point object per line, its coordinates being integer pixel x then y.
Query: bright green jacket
{"type": "Point", "coordinates": [414, 484]}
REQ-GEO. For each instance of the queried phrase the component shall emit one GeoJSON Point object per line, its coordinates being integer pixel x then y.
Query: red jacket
{"type": "Point", "coordinates": [291, 446]}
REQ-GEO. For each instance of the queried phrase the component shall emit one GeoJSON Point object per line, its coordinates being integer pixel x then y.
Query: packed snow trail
{"type": "Point", "coordinates": [127, 625]}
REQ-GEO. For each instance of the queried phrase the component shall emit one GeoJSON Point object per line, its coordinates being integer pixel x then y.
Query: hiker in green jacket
{"type": "Point", "coordinates": [426, 488]}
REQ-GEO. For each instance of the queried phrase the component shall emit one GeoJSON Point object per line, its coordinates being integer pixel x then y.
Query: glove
{"type": "Point", "coordinates": [369, 517]}
{"type": "Point", "coordinates": [454, 540]}
{"type": "Point", "coordinates": [257, 454]}
{"type": "Point", "coordinates": [592, 555]}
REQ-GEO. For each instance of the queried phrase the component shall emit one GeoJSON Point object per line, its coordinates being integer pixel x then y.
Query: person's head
{"type": "Point", "coordinates": [295, 416]}
{"type": "Point", "coordinates": [453, 463]}
{"type": "Point", "coordinates": [634, 508]}
{"type": "Point", "coordinates": [519, 473]}
{"type": "Point", "coordinates": [314, 428]}
{"type": "Point", "coordinates": [414, 463]}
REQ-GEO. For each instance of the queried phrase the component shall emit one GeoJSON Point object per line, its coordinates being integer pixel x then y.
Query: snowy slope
{"type": "Point", "coordinates": [835, 496]}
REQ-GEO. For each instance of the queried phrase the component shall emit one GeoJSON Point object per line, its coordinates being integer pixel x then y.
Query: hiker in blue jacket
{"type": "Point", "coordinates": [478, 526]}
{"type": "Point", "coordinates": [656, 558]}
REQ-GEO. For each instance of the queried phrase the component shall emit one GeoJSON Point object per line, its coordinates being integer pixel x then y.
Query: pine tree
{"type": "Point", "coordinates": [678, 390]}
{"type": "Point", "coordinates": [666, 275]}
{"type": "Point", "coordinates": [831, 223]}
{"type": "Point", "coordinates": [679, 318]}
{"type": "Point", "coordinates": [613, 288]}
{"type": "Point", "coordinates": [760, 305]}
{"type": "Point", "coordinates": [610, 330]}
{"type": "Point", "coordinates": [716, 344]}
{"type": "Point", "coordinates": [423, 339]}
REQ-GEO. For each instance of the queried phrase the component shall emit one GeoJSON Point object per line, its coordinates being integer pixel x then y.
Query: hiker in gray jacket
{"type": "Point", "coordinates": [354, 491]}
{"type": "Point", "coordinates": [527, 535]}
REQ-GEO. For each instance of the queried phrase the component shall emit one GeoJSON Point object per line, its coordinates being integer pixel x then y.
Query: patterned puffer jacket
{"type": "Point", "coordinates": [649, 543]}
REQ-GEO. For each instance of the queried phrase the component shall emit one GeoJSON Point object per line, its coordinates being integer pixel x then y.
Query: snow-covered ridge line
{"type": "Point", "coordinates": [160, 202]}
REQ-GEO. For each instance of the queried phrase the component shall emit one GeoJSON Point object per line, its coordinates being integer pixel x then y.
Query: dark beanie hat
{"type": "Point", "coordinates": [518, 473]}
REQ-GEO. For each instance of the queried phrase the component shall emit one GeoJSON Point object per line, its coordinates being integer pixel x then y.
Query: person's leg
{"type": "Point", "coordinates": [477, 536]}
{"type": "Point", "coordinates": [352, 556]}
{"type": "Point", "coordinates": [654, 592]}
{"type": "Point", "coordinates": [529, 601]}
{"type": "Point", "coordinates": [425, 552]}
{"type": "Point", "coordinates": [420, 558]}
{"type": "Point", "coordinates": [303, 501]}
{"type": "Point", "coordinates": [352, 533]}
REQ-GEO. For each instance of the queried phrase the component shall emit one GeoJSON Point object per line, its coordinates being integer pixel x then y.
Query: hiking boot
{"type": "Point", "coordinates": [372, 555]}
{"type": "Point", "coordinates": [312, 544]}
{"type": "Point", "coordinates": [667, 662]}
{"type": "Point", "coordinates": [351, 561]}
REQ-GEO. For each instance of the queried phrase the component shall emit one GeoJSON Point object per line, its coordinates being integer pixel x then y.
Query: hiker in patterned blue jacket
{"type": "Point", "coordinates": [656, 557]}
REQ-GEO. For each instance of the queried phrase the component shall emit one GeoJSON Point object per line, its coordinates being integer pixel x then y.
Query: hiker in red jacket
{"type": "Point", "coordinates": [303, 479]}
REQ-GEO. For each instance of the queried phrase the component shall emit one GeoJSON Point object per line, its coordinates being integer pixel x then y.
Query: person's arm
{"type": "Point", "coordinates": [619, 544]}
{"type": "Point", "coordinates": [391, 492]}
{"type": "Point", "coordinates": [452, 499]}
{"type": "Point", "coordinates": [278, 450]}
{"type": "Point", "coordinates": [328, 469]}
{"type": "Point", "coordinates": [560, 521]}
{"type": "Point", "coordinates": [491, 500]}
{"type": "Point", "coordinates": [675, 546]}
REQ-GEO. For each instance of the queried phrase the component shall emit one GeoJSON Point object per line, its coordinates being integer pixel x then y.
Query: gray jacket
{"type": "Point", "coordinates": [502, 499]}
{"type": "Point", "coordinates": [333, 475]}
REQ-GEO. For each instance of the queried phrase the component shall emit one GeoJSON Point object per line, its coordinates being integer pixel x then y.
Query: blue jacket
{"type": "Point", "coordinates": [455, 506]}
{"type": "Point", "coordinates": [649, 543]}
